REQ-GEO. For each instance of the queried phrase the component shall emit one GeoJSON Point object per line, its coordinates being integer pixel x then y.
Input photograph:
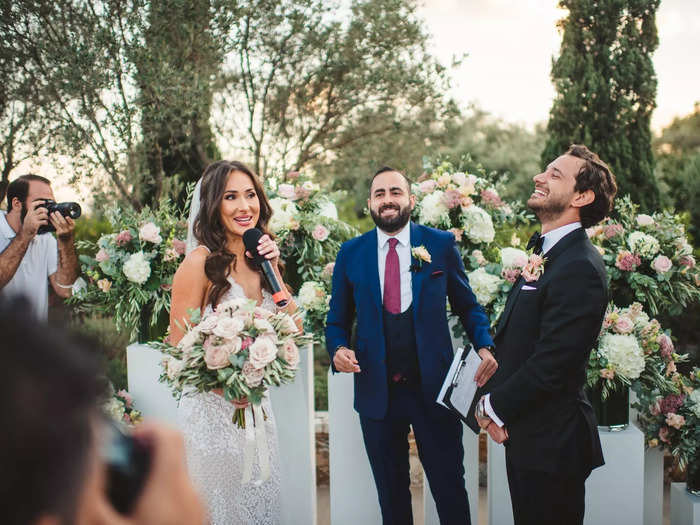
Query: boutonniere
{"type": "Point", "coordinates": [534, 268]}
{"type": "Point", "coordinates": [421, 255]}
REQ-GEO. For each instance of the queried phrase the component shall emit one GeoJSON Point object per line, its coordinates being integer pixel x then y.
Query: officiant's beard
{"type": "Point", "coordinates": [394, 224]}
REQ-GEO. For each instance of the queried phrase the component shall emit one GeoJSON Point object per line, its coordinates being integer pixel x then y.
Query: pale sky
{"type": "Point", "coordinates": [510, 45]}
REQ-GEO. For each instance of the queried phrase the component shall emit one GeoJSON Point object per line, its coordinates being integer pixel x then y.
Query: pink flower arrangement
{"type": "Point", "coordinates": [427, 186]}
{"type": "Point", "coordinates": [452, 199]}
{"type": "Point", "coordinates": [510, 274]}
{"type": "Point", "coordinates": [675, 420]}
{"type": "Point", "coordinates": [320, 233]}
{"type": "Point", "coordinates": [623, 325]}
{"type": "Point", "coordinates": [286, 191]}
{"type": "Point", "coordinates": [611, 230]}
{"type": "Point", "coordinates": [687, 260]}
{"type": "Point", "coordinates": [627, 261]}
{"type": "Point", "coordinates": [123, 237]}
{"type": "Point", "coordinates": [491, 198]}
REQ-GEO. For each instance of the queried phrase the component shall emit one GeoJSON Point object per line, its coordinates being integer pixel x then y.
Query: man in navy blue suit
{"type": "Point", "coordinates": [394, 281]}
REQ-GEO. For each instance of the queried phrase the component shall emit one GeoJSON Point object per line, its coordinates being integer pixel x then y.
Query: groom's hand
{"type": "Point", "coordinates": [344, 360]}
{"type": "Point", "coordinates": [487, 367]}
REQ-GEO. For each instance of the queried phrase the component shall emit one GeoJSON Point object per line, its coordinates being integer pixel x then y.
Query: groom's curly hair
{"type": "Point", "coordinates": [594, 175]}
{"type": "Point", "coordinates": [210, 232]}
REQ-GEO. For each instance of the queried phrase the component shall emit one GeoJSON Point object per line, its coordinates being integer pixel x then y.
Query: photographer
{"type": "Point", "coordinates": [28, 257]}
{"type": "Point", "coordinates": [53, 447]}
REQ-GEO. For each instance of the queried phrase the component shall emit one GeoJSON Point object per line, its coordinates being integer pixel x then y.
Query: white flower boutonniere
{"type": "Point", "coordinates": [534, 268]}
{"type": "Point", "coordinates": [421, 254]}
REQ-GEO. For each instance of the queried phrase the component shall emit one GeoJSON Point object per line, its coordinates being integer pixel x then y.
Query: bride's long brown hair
{"type": "Point", "coordinates": [210, 232]}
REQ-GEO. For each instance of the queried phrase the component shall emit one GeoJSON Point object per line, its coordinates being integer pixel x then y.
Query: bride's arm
{"type": "Point", "coordinates": [189, 290]}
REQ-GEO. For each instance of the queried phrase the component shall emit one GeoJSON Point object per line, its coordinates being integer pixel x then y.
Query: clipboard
{"type": "Point", "coordinates": [458, 389]}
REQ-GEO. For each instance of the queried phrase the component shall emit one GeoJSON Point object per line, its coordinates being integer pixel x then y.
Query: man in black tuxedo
{"type": "Point", "coordinates": [535, 402]}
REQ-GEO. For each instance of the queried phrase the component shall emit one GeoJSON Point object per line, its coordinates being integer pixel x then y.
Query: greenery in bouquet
{"type": "Point", "coordinates": [671, 419]}
{"type": "Point", "coordinates": [648, 259]}
{"type": "Point", "coordinates": [240, 348]}
{"type": "Point", "coordinates": [633, 351]}
{"type": "Point", "coordinates": [120, 407]}
{"type": "Point", "coordinates": [130, 270]}
{"type": "Point", "coordinates": [305, 221]}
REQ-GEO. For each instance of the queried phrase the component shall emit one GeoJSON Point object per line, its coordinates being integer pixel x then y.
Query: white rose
{"type": "Point", "coordinates": [328, 209]}
{"type": "Point", "coordinates": [137, 269]}
{"type": "Point", "coordinates": [432, 210]}
{"type": "Point", "coordinates": [287, 325]}
{"type": "Point", "coordinates": [263, 325]}
{"type": "Point", "coordinates": [484, 285]}
{"type": "Point", "coordinates": [644, 220]}
{"type": "Point", "coordinates": [151, 233]}
{"type": "Point", "coordinates": [283, 212]}
{"type": "Point", "coordinates": [311, 295]}
{"type": "Point", "coordinates": [207, 325]}
{"type": "Point", "coordinates": [513, 258]}
{"type": "Point", "coordinates": [262, 352]}
{"type": "Point", "coordinates": [216, 356]}
{"type": "Point", "coordinates": [228, 327]}
{"type": "Point", "coordinates": [173, 367]}
{"type": "Point", "coordinates": [191, 338]}
{"type": "Point", "coordinates": [643, 244]}
{"type": "Point", "coordinates": [623, 353]}
{"type": "Point", "coordinates": [459, 178]}
{"type": "Point", "coordinates": [478, 225]}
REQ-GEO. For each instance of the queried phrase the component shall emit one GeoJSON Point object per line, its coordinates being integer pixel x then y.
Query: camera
{"type": "Point", "coordinates": [67, 209]}
{"type": "Point", "coordinates": [128, 463]}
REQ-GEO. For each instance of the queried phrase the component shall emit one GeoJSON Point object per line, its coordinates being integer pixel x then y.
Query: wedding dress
{"type": "Point", "coordinates": [215, 451]}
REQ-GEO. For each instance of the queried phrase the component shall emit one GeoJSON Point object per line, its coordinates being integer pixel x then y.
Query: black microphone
{"type": "Point", "coordinates": [250, 240]}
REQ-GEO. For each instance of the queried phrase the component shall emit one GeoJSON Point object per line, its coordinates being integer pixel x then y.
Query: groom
{"type": "Point", "coordinates": [535, 402]}
{"type": "Point", "coordinates": [394, 280]}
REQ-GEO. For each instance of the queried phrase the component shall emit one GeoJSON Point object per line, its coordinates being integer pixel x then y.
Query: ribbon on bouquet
{"type": "Point", "coordinates": [255, 438]}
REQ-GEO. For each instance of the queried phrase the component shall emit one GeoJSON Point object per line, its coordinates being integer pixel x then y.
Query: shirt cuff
{"type": "Point", "coordinates": [489, 411]}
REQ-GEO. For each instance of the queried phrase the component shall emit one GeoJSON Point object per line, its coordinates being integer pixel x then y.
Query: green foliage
{"type": "Point", "coordinates": [89, 229]}
{"type": "Point", "coordinates": [606, 89]}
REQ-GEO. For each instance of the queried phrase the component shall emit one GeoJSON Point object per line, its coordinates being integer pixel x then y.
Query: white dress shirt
{"type": "Point", "coordinates": [403, 249]}
{"type": "Point", "coordinates": [550, 239]}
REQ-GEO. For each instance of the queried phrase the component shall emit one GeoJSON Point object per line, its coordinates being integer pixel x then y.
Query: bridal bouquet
{"type": "Point", "coordinates": [239, 348]}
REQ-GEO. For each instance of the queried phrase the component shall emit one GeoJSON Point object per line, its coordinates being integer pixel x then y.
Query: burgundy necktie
{"type": "Point", "coordinates": [392, 280]}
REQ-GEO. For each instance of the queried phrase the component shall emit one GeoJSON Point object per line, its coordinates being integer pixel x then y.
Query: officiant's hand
{"type": "Point", "coordinates": [344, 360]}
{"type": "Point", "coordinates": [498, 434]}
{"type": "Point", "coordinates": [487, 367]}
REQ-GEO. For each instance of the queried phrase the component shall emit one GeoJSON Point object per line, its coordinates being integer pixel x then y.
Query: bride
{"type": "Point", "coordinates": [217, 268]}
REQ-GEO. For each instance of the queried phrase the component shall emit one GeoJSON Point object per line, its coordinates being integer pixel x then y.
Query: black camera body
{"type": "Point", "coordinates": [67, 209]}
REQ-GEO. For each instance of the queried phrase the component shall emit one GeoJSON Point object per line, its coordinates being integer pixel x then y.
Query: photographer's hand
{"type": "Point", "coordinates": [67, 272]}
{"type": "Point", "coordinates": [37, 216]}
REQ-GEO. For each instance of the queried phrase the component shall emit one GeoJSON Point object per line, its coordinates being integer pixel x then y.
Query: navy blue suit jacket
{"type": "Point", "coordinates": [356, 295]}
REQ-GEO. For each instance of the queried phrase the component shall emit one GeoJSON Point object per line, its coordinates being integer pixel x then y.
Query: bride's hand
{"type": "Point", "coordinates": [268, 249]}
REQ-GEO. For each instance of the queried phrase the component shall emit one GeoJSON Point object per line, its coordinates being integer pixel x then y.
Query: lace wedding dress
{"type": "Point", "coordinates": [215, 449]}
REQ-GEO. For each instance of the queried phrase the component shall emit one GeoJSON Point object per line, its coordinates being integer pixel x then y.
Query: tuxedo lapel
{"type": "Point", "coordinates": [512, 297]}
{"type": "Point", "coordinates": [418, 276]}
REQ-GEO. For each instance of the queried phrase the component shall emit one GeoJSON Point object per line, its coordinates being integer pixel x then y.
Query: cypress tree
{"type": "Point", "coordinates": [606, 89]}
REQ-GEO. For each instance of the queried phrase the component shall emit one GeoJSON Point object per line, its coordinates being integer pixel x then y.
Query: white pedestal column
{"type": "Point", "coordinates": [155, 400]}
{"type": "Point", "coordinates": [293, 406]}
{"type": "Point", "coordinates": [685, 508]}
{"type": "Point", "coordinates": [500, 509]}
{"type": "Point", "coordinates": [353, 493]}
{"type": "Point", "coordinates": [653, 486]}
{"type": "Point", "coordinates": [615, 491]}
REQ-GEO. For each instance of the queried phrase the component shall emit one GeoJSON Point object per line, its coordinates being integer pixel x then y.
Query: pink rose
{"type": "Point", "coordinates": [427, 186]}
{"type": "Point", "coordinates": [262, 352]}
{"type": "Point", "coordinates": [328, 269]}
{"type": "Point", "coordinates": [216, 356]}
{"type": "Point", "coordinates": [251, 375]}
{"type": "Point", "coordinates": [661, 264]}
{"type": "Point", "coordinates": [286, 191]}
{"type": "Point", "coordinates": [452, 199]}
{"type": "Point", "coordinates": [180, 246]}
{"type": "Point", "coordinates": [675, 420]}
{"type": "Point", "coordinates": [611, 230]}
{"type": "Point", "coordinates": [510, 274]}
{"type": "Point", "coordinates": [123, 237]}
{"type": "Point", "coordinates": [457, 233]}
{"type": "Point", "coordinates": [479, 257]}
{"type": "Point", "coordinates": [320, 233]}
{"type": "Point", "coordinates": [627, 261]}
{"type": "Point", "coordinates": [149, 232]}
{"type": "Point", "coordinates": [687, 260]}
{"type": "Point", "coordinates": [290, 353]}
{"type": "Point", "coordinates": [459, 178]}
{"type": "Point", "coordinates": [663, 434]}
{"type": "Point", "coordinates": [623, 325]}
{"type": "Point", "coordinates": [491, 198]}
{"type": "Point", "coordinates": [126, 396]}
{"type": "Point", "coordinates": [292, 175]}
{"type": "Point", "coordinates": [170, 254]}
{"type": "Point", "coordinates": [666, 345]}
{"type": "Point", "coordinates": [606, 373]}
{"type": "Point", "coordinates": [102, 255]}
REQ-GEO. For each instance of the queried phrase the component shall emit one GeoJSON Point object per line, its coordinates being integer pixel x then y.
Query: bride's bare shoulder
{"type": "Point", "coordinates": [191, 269]}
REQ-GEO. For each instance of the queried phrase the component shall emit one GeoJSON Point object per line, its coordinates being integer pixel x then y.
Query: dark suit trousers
{"type": "Point", "coordinates": [540, 498]}
{"type": "Point", "coordinates": [439, 440]}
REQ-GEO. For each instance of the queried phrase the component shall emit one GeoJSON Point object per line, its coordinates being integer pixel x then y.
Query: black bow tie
{"type": "Point", "coordinates": [536, 242]}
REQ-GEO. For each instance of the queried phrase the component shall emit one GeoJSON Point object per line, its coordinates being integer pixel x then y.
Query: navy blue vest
{"type": "Point", "coordinates": [401, 355]}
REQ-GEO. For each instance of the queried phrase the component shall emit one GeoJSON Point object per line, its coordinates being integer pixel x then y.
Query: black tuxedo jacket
{"type": "Point", "coordinates": [543, 341]}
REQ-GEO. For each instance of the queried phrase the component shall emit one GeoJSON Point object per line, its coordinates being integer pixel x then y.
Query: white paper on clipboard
{"type": "Point", "coordinates": [462, 380]}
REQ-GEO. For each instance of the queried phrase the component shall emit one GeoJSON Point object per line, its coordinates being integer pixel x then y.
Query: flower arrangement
{"type": "Point", "coordinates": [648, 259]}
{"type": "Point", "coordinates": [632, 350]}
{"type": "Point", "coordinates": [671, 419]}
{"type": "Point", "coordinates": [130, 274]}
{"type": "Point", "coordinates": [240, 348]}
{"type": "Point", "coordinates": [120, 407]}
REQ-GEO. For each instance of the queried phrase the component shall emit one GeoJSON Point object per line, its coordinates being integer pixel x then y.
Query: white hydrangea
{"type": "Point", "coordinates": [328, 209]}
{"type": "Point", "coordinates": [513, 258]}
{"type": "Point", "coordinates": [478, 225]}
{"type": "Point", "coordinates": [484, 285]}
{"type": "Point", "coordinates": [623, 353]}
{"type": "Point", "coordinates": [695, 398]}
{"type": "Point", "coordinates": [643, 244]}
{"type": "Point", "coordinates": [311, 295]}
{"type": "Point", "coordinates": [433, 211]}
{"type": "Point", "coordinates": [137, 268]}
{"type": "Point", "coordinates": [283, 212]}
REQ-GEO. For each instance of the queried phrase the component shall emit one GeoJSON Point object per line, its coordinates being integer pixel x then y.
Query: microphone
{"type": "Point", "coordinates": [251, 238]}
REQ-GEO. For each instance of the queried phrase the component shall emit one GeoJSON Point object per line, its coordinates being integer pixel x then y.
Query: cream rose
{"type": "Point", "coordinates": [661, 264]}
{"type": "Point", "coordinates": [262, 352]}
{"type": "Point", "coordinates": [149, 232]}
{"type": "Point", "coordinates": [228, 327]}
{"type": "Point", "coordinates": [251, 375]}
{"type": "Point", "coordinates": [216, 356]}
{"type": "Point", "coordinates": [290, 353]}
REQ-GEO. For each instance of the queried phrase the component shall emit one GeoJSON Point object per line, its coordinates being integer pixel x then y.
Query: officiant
{"type": "Point", "coordinates": [394, 281]}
